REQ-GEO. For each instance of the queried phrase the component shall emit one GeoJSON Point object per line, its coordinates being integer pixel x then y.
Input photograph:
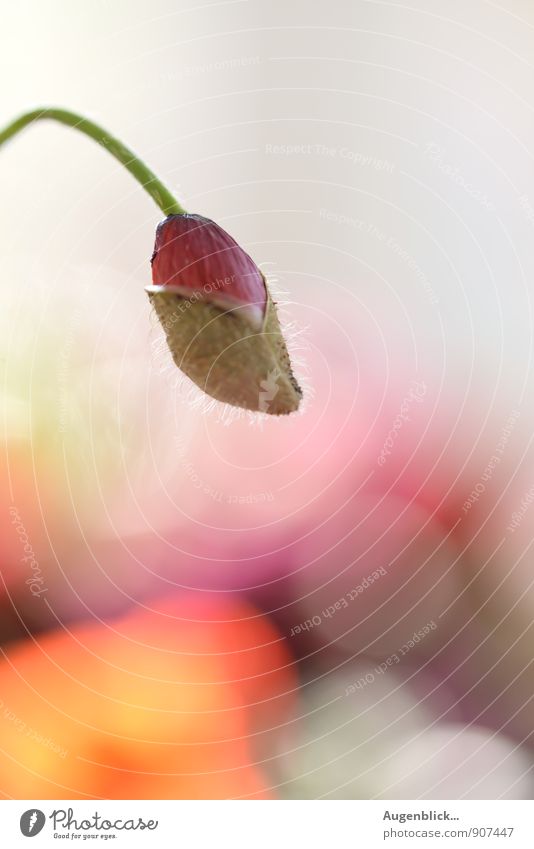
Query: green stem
{"type": "Point", "coordinates": [155, 188]}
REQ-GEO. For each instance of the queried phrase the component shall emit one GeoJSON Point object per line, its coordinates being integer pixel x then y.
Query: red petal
{"type": "Point", "coordinates": [194, 254]}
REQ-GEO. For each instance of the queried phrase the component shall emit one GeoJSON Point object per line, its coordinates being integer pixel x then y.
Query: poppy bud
{"type": "Point", "coordinates": [218, 317]}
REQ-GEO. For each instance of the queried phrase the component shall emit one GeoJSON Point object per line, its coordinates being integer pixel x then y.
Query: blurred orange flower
{"type": "Point", "coordinates": [175, 701]}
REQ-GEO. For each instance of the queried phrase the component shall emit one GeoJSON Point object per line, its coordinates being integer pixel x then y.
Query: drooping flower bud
{"type": "Point", "coordinates": [218, 317]}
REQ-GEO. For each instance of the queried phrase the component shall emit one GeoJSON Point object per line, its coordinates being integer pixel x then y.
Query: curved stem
{"type": "Point", "coordinates": [155, 188]}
